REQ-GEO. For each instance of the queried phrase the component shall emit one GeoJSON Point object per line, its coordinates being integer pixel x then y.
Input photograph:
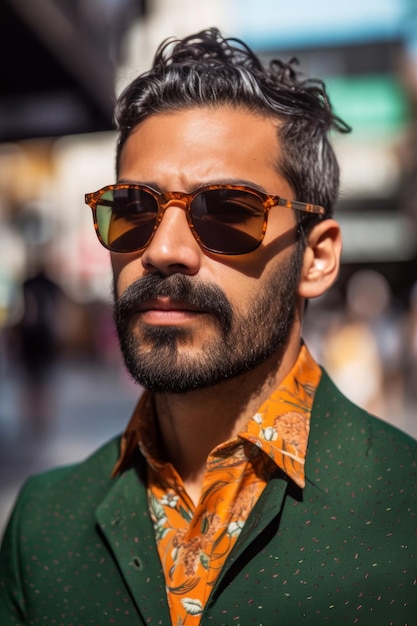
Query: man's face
{"type": "Point", "coordinates": [187, 318]}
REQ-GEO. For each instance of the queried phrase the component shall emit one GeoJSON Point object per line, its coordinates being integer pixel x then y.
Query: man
{"type": "Point", "coordinates": [246, 489]}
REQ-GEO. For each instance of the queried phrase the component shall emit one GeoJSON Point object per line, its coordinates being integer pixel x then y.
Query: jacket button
{"type": "Point", "coordinates": [137, 563]}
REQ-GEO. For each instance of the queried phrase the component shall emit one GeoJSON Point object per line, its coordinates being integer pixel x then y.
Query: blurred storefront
{"type": "Point", "coordinates": [67, 62]}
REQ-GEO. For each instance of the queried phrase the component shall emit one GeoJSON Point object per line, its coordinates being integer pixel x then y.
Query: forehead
{"type": "Point", "coordinates": [179, 149]}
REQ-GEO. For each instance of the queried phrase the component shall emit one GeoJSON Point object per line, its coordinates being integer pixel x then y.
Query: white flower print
{"type": "Point", "coordinates": [270, 434]}
{"type": "Point", "coordinates": [169, 499]}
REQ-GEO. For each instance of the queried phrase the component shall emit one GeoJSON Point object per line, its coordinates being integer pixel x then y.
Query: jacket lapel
{"type": "Point", "coordinates": [124, 520]}
{"type": "Point", "coordinates": [264, 513]}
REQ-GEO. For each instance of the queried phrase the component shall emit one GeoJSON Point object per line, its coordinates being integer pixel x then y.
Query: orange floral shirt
{"type": "Point", "coordinates": [194, 541]}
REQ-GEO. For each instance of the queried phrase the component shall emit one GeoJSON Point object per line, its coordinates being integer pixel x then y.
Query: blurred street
{"type": "Point", "coordinates": [92, 404]}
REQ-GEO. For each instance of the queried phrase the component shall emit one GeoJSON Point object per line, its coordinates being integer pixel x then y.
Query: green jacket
{"type": "Point", "coordinates": [80, 547]}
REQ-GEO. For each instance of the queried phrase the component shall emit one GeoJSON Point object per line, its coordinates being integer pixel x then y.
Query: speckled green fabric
{"type": "Point", "coordinates": [80, 550]}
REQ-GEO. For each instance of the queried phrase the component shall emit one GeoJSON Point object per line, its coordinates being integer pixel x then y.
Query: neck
{"type": "Point", "coordinates": [192, 424]}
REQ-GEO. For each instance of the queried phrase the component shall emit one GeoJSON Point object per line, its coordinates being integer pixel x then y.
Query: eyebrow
{"type": "Point", "coordinates": [193, 188]}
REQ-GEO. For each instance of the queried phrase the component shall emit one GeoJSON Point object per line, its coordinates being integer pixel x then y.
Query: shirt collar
{"type": "Point", "coordinates": [282, 425]}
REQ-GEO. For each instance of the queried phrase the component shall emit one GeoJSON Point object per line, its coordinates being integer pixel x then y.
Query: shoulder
{"type": "Point", "coordinates": [79, 486]}
{"type": "Point", "coordinates": [336, 415]}
{"type": "Point", "coordinates": [348, 440]}
{"type": "Point", "coordinates": [99, 463]}
{"type": "Point", "coordinates": [53, 528]}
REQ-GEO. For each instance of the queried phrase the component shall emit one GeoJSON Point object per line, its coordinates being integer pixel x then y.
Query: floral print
{"type": "Point", "coordinates": [194, 541]}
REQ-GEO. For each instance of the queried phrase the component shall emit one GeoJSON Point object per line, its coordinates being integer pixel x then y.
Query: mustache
{"type": "Point", "coordinates": [209, 298]}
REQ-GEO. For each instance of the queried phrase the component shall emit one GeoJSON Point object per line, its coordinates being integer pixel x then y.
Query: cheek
{"type": "Point", "coordinates": [240, 287]}
{"type": "Point", "coordinates": [247, 283]}
{"type": "Point", "coordinates": [126, 269]}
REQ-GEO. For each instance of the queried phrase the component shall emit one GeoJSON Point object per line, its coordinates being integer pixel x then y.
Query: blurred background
{"type": "Point", "coordinates": [63, 390]}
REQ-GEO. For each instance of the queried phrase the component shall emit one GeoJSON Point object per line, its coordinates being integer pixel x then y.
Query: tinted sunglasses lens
{"type": "Point", "coordinates": [228, 221]}
{"type": "Point", "coordinates": [126, 218]}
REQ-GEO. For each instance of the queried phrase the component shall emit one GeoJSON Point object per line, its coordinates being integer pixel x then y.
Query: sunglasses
{"type": "Point", "coordinates": [224, 219]}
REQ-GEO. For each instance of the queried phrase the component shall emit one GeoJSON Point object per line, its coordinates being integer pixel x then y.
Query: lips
{"type": "Point", "coordinates": [167, 304]}
{"type": "Point", "coordinates": [167, 312]}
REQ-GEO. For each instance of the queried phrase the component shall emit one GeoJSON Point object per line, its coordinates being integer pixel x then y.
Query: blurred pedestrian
{"type": "Point", "coordinates": [37, 340]}
{"type": "Point", "coordinates": [363, 348]}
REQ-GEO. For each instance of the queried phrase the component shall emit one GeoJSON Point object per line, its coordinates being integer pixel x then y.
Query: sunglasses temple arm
{"type": "Point", "coordinates": [302, 206]}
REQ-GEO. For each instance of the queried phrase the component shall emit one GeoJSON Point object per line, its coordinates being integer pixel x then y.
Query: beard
{"type": "Point", "coordinates": [158, 358]}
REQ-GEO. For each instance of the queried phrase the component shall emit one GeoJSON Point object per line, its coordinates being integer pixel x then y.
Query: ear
{"type": "Point", "coordinates": [321, 259]}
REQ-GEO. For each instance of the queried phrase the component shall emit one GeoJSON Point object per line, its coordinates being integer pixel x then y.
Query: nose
{"type": "Point", "coordinates": [173, 247]}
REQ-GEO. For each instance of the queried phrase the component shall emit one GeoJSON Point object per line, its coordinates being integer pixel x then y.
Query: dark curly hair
{"type": "Point", "coordinates": [207, 69]}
